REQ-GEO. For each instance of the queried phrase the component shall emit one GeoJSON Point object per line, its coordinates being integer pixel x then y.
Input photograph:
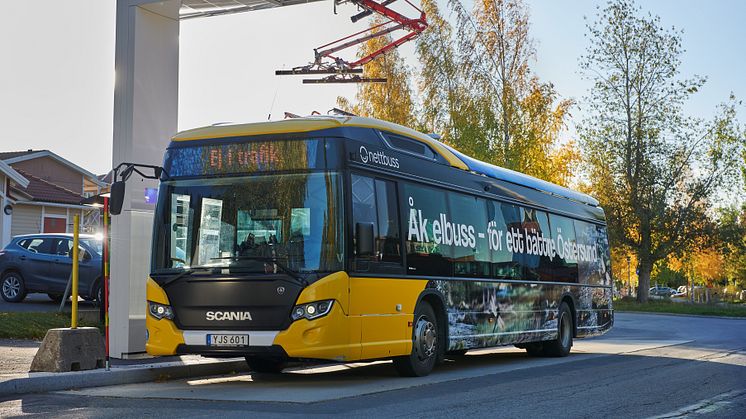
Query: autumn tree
{"type": "Point", "coordinates": [391, 101]}
{"type": "Point", "coordinates": [732, 244]}
{"type": "Point", "coordinates": [515, 119]}
{"type": "Point", "coordinates": [654, 170]}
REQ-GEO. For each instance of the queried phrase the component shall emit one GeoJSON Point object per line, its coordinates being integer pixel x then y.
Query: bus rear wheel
{"type": "Point", "coordinates": [265, 365]}
{"type": "Point", "coordinates": [425, 344]}
{"type": "Point", "coordinates": [561, 346]}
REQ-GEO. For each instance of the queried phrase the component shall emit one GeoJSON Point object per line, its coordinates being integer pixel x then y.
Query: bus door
{"type": "Point", "coordinates": [374, 293]}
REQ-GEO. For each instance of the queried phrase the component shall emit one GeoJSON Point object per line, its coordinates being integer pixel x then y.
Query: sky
{"type": "Point", "coordinates": [57, 65]}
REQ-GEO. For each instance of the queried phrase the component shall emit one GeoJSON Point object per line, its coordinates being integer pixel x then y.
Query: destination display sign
{"type": "Point", "coordinates": [244, 157]}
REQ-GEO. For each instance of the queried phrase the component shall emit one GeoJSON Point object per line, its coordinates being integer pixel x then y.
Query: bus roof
{"type": "Point", "coordinates": [518, 178]}
{"type": "Point", "coordinates": [321, 122]}
{"type": "Point", "coordinates": [316, 123]}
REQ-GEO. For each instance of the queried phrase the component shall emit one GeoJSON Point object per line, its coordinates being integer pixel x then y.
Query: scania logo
{"type": "Point", "coordinates": [378, 157]}
{"type": "Point", "coordinates": [227, 315]}
{"type": "Point", "coordinates": [281, 290]}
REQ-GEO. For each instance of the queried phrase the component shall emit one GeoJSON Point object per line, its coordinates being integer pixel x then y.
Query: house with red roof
{"type": "Point", "coordinates": [49, 195]}
{"type": "Point", "coordinates": [8, 175]}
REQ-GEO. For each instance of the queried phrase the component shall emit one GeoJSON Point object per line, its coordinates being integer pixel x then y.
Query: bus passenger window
{"type": "Point", "coordinates": [374, 201]}
{"type": "Point", "coordinates": [428, 252]}
{"type": "Point", "coordinates": [604, 255]}
{"type": "Point", "coordinates": [468, 218]}
{"type": "Point", "coordinates": [565, 263]}
{"type": "Point", "coordinates": [537, 264]}
{"type": "Point", "coordinates": [501, 218]}
{"type": "Point", "coordinates": [388, 242]}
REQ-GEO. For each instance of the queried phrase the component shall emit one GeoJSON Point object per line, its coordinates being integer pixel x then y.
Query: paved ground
{"type": "Point", "coordinates": [41, 303]}
{"type": "Point", "coordinates": [649, 365]}
{"type": "Point", "coordinates": [16, 356]}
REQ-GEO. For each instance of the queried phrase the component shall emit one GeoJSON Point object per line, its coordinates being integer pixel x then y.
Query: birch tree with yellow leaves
{"type": "Point", "coordinates": [476, 89]}
{"type": "Point", "coordinates": [391, 101]}
{"type": "Point", "coordinates": [655, 170]}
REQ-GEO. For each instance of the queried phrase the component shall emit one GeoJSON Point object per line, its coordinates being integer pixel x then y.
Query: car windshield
{"type": "Point", "coordinates": [250, 223]}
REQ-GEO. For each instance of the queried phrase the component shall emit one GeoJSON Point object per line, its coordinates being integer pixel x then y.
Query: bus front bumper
{"type": "Point", "coordinates": [327, 338]}
{"type": "Point", "coordinates": [335, 336]}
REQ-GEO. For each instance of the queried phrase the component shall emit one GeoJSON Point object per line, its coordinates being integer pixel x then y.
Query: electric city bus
{"type": "Point", "coordinates": [348, 238]}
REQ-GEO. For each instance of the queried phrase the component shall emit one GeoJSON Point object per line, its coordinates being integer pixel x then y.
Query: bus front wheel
{"type": "Point", "coordinates": [265, 365]}
{"type": "Point", "coordinates": [425, 344]}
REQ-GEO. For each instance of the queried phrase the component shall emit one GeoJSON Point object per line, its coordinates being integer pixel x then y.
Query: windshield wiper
{"type": "Point", "coordinates": [273, 260]}
{"type": "Point", "coordinates": [186, 273]}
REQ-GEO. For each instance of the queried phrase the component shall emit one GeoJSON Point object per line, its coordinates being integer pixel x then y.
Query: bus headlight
{"type": "Point", "coordinates": [312, 311]}
{"type": "Point", "coordinates": [160, 311]}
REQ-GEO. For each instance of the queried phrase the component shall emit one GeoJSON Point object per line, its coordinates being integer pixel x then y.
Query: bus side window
{"type": "Point", "coordinates": [428, 251]}
{"type": "Point", "coordinates": [388, 242]}
{"type": "Point", "coordinates": [589, 265]}
{"type": "Point", "coordinates": [565, 263]}
{"type": "Point", "coordinates": [537, 265]}
{"type": "Point", "coordinates": [374, 201]}
{"type": "Point", "coordinates": [602, 241]}
{"type": "Point", "coordinates": [503, 219]}
{"type": "Point", "coordinates": [471, 254]}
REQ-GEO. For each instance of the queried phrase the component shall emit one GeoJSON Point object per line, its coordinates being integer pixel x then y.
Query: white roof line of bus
{"type": "Point", "coordinates": [522, 179]}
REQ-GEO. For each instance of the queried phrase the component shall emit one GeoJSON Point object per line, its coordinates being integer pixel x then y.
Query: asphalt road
{"type": "Point", "coordinates": [647, 366]}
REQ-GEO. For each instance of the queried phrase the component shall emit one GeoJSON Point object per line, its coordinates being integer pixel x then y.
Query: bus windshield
{"type": "Point", "coordinates": [251, 223]}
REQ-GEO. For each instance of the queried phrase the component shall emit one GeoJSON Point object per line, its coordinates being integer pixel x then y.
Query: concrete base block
{"type": "Point", "coordinates": [70, 350]}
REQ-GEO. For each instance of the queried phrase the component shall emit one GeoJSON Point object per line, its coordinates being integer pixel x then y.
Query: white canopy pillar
{"type": "Point", "coordinates": [145, 118]}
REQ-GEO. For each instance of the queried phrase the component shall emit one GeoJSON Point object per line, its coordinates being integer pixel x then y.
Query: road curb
{"type": "Point", "coordinates": [702, 316]}
{"type": "Point", "coordinates": [101, 377]}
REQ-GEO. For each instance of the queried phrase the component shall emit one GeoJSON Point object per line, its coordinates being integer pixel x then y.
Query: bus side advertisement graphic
{"type": "Point", "coordinates": [514, 240]}
{"type": "Point", "coordinates": [482, 314]}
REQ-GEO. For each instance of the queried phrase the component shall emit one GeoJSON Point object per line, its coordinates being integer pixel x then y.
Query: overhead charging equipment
{"type": "Point", "coordinates": [336, 69]}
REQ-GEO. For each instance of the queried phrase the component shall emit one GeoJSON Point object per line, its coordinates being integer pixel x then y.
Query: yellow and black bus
{"type": "Point", "coordinates": [348, 238]}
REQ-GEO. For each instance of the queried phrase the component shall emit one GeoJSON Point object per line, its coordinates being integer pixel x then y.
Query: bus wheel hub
{"type": "Point", "coordinates": [425, 338]}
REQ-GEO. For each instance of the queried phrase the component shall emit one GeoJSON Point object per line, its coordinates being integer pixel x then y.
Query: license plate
{"type": "Point", "coordinates": [227, 340]}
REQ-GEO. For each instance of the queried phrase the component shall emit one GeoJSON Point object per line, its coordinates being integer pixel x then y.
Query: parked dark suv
{"type": "Point", "coordinates": [43, 262]}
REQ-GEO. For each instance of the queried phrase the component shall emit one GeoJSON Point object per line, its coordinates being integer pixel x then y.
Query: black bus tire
{"type": "Point", "coordinates": [265, 365]}
{"type": "Point", "coordinates": [561, 346]}
{"type": "Point", "coordinates": [425, 344]}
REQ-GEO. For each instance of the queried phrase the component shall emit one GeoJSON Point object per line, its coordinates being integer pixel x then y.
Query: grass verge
{"type": "Point", "coordinates": [726, 310]}
{"type": "Point", "coordinates": [34, 325]}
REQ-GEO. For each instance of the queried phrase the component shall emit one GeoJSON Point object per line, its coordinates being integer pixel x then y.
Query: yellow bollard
{"type": "Point", "coordinates": [76, 227]}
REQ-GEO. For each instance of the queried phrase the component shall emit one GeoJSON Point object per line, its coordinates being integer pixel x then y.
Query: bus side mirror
{"type": "Point", "coordinates": [364, 240]}
{"type": "Point", "coordinates": [116, 197]}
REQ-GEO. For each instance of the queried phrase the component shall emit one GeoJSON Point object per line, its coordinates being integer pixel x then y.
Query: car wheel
{"type": "Point", "coordinates": [266, 365]}
{"type": "Point", "coordinates": [13, 287]}
{"type": "Point", "coordinates": [561, 346]}
{"type": "Point", "coordinates": [425, 344]}
{"type": "Point", "coordinates": [97, 296]}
